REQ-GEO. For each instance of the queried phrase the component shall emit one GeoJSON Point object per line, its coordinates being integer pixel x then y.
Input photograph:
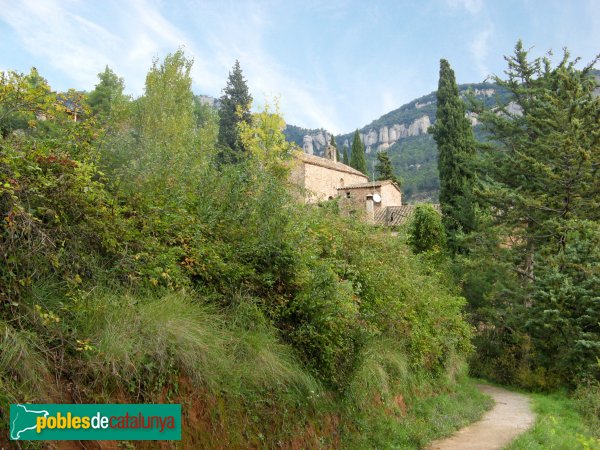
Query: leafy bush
{"type": "Point", "coordinates": [426, 230]}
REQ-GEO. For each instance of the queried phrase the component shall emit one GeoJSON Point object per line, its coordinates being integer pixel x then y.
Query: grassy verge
{"type": "Point", "coordinates": [428, 418]}
{"type": "Point", "coordinates": [559, 425]}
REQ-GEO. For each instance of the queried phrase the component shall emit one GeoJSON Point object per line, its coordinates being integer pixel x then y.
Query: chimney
{"type": "Point", "coordinates": [370, 209]}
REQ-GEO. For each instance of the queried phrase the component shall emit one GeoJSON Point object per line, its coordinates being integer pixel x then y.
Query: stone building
{"type": "Point", "coordinates": [324, 179]}
{"type": "Point", "coordinates": [320, 177]}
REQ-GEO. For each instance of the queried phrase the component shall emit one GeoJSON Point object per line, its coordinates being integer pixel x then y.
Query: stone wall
{"type": "Point", "coordinates": [390, 196]}
{"type": "Point", "coordinates": [322, 182]}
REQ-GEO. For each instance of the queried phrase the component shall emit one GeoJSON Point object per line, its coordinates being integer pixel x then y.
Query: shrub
{"type": "Point", "coordinates": [426, 230]}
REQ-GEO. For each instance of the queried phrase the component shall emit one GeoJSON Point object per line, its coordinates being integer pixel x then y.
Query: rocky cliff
{"type": "Point", "coordinates": [315, 143]}
{"type": "Point", "coordinates": [385, 136]}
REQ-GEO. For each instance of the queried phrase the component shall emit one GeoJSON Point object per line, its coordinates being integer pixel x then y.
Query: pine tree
{"type": "Point", "coordinates": [345, 156]}
{"type": "Point", "coordinates": [384, 168]}
{"type": "Point", "coordinates": [539, 182]}
{"type": "Point", "coordinates": [456, 146]}
{"type": "Point", "coordinates": [107, 94]}
{"type": "Point", "coordinates": [235, 108]}
{"type": "Point", "coordinates": [357, 159]}
{"type": "Point", "coordinates": [545, 170]}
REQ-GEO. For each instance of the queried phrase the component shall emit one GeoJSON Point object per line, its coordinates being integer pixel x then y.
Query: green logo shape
{"type": "Point", "coordinates": [95, 422]}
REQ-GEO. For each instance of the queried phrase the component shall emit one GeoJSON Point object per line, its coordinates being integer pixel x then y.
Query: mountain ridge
{"type": "Point", "coordinates": [403, 132]}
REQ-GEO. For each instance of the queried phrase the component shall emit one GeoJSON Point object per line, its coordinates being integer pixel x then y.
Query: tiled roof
{"type": "Point", "coordinates": [368, 185]}
{"type": "Point", "coordinates": [397, 215]}
{"type": "Point", "coordinates": [328, 163]}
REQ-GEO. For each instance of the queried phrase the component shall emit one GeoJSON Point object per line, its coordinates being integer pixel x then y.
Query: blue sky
{"type": "Point", "coordinates": [333, 64]}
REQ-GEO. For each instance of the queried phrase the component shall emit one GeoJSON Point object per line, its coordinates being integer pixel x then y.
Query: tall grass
{"type": "Point", "coordinates": [23, 368]}
{"type": "Point", "coordinates": [132, 340]}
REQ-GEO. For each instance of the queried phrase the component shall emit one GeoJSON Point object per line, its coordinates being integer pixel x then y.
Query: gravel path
{"type": "Point", "coordinates": [510, 417]}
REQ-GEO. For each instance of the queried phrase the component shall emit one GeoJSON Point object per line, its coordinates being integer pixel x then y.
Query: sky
{"type": "Point", "coordinates": [330, 64]}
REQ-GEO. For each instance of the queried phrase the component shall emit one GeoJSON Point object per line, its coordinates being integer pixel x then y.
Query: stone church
{"type": "Point", "coordinates": [325, 178]}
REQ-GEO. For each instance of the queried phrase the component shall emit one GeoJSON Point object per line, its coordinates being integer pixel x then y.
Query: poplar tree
{"type": "Point", "coordinates": [456, 146]}
{"type": "Point", "coordinates": [235, 108]}
{"type": "Point", "coordinates": [167, 158]}
{"type": "Point", "coordinates": [357, 159]}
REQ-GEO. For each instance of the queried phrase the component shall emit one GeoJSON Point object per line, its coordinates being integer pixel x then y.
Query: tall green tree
{"type": "Point", "coordinates": [167, 159]}
{"type": "Point", "coordinates": [456, 146]}
{"type": "Point", "coordinates": [384, 168]}
{"type": "Point", "coordinates": [345, 159]}
{"type": "Point", "coordinates": [539, 182]}
{"type": "Point", "coordinates": [543, 169]}
{"type": "Point", "coordinates": [357, 159]}
{"type": "Point", "coordinates": [235, 108]}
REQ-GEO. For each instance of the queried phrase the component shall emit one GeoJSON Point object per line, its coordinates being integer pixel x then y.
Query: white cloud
{"type": "Point", "coordinates": [471, 6]}
{"type": "Point", "coordinates": [67, 41]}
{"type": "Point", "coordinates": [479, 48]}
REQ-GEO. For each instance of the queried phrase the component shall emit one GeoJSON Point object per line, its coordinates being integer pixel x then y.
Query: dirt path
{"type": "Point", "coordinates": [510, 417]}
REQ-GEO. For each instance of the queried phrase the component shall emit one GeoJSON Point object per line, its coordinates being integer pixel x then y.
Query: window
{"type": "Point", "coordinates": [347, 194]}
{"type": "Point", "coordinates": [341, 182]}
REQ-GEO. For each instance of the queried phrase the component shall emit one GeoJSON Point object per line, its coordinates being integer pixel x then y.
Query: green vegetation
{"type": "Point", "coordinates": [415, 160]}
{"type": "Point", "coordinates": [426, 230]}
{"type": "Point", "coordinates": [137, 267]}
{"type": "Point", "coordinates": [456, 148]}
{"type": "Point", "coordinates": [561, 422]}
{"type": "Point", "coordinates": [384, 168]}
{"type": "Point", "coordinates": [430, 418]}
{"type": "Point", "coordinates": [533, 276]}
{"type": "Point", "coordinates": [357, 155]}
{"type": "Point", "coordinates": [345, 157]}
{"type": "Point", "coordinates": [235, 109]}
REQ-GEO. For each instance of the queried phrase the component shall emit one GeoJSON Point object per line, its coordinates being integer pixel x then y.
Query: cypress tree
{"type": "Point", "coordinates": [235, 108]}
{"type": "Point", "coordinates": [357, 159]}
{"type": "Point", "coordinates": [345, 156]}
{"type": "Point", "coordinates": [384, 168]}
{"type": "Point", "coordinates": [456, 146]}
{"type": "Point", "coordinates": [337, 151]}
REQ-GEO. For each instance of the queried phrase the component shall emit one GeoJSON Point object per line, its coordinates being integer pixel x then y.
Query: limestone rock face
{"type": "Point", "coordinates": [419, 126]}
{"type": "Point", "coordinates": [484, 92]}
{"type": "Point", "coordinates": [422, 105]}
{"type": "Point", "coordinates": [472, 117]}
{"type": "Point", "coordinates": [382, 138]}
{"type": "Point", "coordinates": [374, 139]}
{"type": "Point", "coordinates": [307, 145]}
{"type": "Point", "coordinates": [316, 143]}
